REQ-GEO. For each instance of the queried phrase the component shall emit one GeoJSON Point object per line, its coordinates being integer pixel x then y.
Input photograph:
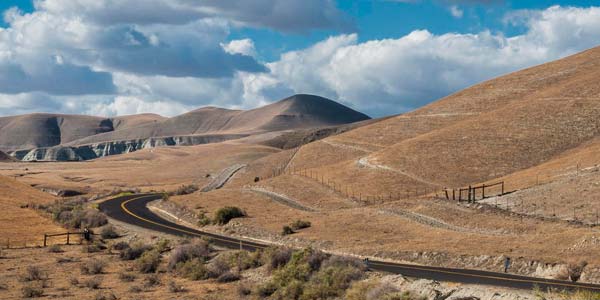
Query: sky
{"type": "Point", "coordinates": [381, 57]}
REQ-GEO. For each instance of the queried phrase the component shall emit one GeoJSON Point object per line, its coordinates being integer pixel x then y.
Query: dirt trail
{"type": "Point", "coordinates": [433, 222]}
{"type": "Point", "coordinates": [340, 145]}
{"type": "Point", "coordinates": [364, 162]}
{"type": "Point", "coordinates": [221, 179]}
{"type": "Point", "coordinates": [281, 199]}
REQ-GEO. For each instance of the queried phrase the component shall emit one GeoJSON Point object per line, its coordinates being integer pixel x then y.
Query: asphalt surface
{"type": "Point", "coordinates": [132, 210]}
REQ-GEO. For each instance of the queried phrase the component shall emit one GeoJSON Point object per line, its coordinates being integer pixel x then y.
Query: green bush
{"type": "Point", "coordinates": [286, 230]}
{"type": "Point", "coordinates": [148, 262]}
{"type": "Point", "coordinates": [300, 224]}
{"type": "Point", "coordinates": [225, 214]}
{"type": "Point", "coordinates": [311, 274]}
{"type": "Point", "coordinates": [194, 269]}
{"type": "Point", "coordinates": [134, 251]}
{"type": "Point", "coordinates": [204, 220]}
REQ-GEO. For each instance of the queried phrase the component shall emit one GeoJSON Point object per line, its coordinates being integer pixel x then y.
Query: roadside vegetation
{"type": "Point", "coordinates": [74, 213]}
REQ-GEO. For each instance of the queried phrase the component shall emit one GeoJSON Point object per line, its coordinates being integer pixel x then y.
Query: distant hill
{"type": "Point", "coordinates": [68, 137]}
{"type": "Point", "coordinates": [5, 157]}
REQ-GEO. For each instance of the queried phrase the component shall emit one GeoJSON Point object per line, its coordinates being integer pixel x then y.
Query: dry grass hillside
{"type": "Point", "coordinates": [20, 224]}
{"type": "Point", "coordinates": [490, 130]}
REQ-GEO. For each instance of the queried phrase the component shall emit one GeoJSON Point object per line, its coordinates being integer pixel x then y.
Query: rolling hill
{"type": "Point", "coordinates": [487, 131]}
{"type": "Point", "coordinates": [63, 137]}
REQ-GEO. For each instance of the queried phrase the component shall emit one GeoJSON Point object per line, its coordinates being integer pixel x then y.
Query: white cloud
{"type": "Point", "coordinates": [456, 12]}
{"type": "Point", "coordinates": [394, 75]}
{"type": "Point", "coordinates": [244, 47]}
{"type": "Point", "coordinates": [124, 105]}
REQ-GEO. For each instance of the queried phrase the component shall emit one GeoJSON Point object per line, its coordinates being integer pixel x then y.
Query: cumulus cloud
{"type": "Point", "coordinates": [244, 47]}
{"type": "Point", "coordinates": [395, 75]}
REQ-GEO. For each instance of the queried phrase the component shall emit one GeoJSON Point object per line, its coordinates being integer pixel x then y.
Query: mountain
{"type": "Point", "coordinates": [5, 157]}
{"type": "Point", "coordinates": [66, 137]}
{"type": "Point", "coordinates": [487, 131]}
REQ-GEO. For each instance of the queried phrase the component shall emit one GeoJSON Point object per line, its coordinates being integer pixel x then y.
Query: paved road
{"type": "Point", "coordinates": [132, 209]}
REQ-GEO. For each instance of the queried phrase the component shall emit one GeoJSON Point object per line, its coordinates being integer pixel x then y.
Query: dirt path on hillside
{"type": "Point", "coordinates": [351, 147]}
{"type": "Point", "coordinates": [364, 162]}
{"type": "Point", "coordinates": [221, 179]}
{"type": "Point", "coordinates": [283, 199]}
{"type": "Point", "coordinates": [433, 222]}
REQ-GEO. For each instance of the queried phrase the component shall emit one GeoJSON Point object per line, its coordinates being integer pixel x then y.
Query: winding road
{"type": "Point", "coordinates": [132, 209]}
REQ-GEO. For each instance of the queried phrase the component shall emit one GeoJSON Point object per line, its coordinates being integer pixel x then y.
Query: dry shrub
{"type": "Point", "coordinates": [277, 257]}
{"type": "Point", "coordinates": [575, 270]}
{"type": "Point", "coordinates": [109, 232]}
{"type": "Point", "coordinates": [32, 291]}
{"type": "Point", "coordinates": [126, 277]}
{"type": "Point", "coordinates": [148, 262]}
{"type": "Point", "coordinates": [175, 288]}
{"type": "Point", "coordinates": [300, 224]}
{"type": "Point", "coordinates": [135, 289]}
{"type": "Point", "coordinates": [105, 296]}
{"type": "Point", "coordinates": [196, 249]}
{"type": "Point", "coordinates": [134, 251]}
{"type": "Point", "coordinates": [185, 190]}
{"type": "Point", "coordinates": [93, 283]}
{"type": "Point", "coordinates": [225, 214]}
{"type": "Point", "coordinates": [228, 277]}
{"type": "Point", "coordinates": [286, 230]}
{"type": "Point", "coordinates": [120, 246]}
{"type": "Point", "coordinates": [194, 269]}
{"type": "Point", "coordinates": [93, 267]}
{"type": "Point", "coordinates": [93, 248]}
{"type": "Point", "coordinates": [33, 273]}
{"type": "Point", "coordinates": [151, 280]}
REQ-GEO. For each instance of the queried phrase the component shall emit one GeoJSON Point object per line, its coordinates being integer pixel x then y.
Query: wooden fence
{"type": "Point", "coordinates": [471, 193]}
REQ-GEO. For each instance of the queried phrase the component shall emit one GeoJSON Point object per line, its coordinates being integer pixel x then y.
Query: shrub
{"type": "Point", "coordinates": [135, 289]}
{"type": "Point", "coordinates": [93, 267]}
{"type": "Point", "coordinates": [55, 249]}
{"type": "Point", "coordinates": [109, 232]}
{"type": "Point", "coordinates": [225, 214]}
{"type": "Point", "coordinates": [148, 262]}
{"type": "Point", "coordinates": [163, 245]}
{"type": "Point", "coordinates": [266, 290]}
{"type": "Point", "coordinates": [126, 277]}
{"type": "Point", "coordinates": [33, 273]}
{"type": "Point", "coordinates": [74, 281]}
{"type": "Point", "coordinates": [243, 290]}
{"type": "Point", "coordinates": [151, 280]}
{"type": "Point", "coordinates": [93, 248]}
{"type": "Point", "coordinates": [256, 179]}
{"type": "Point", "coordinates": [218, 267]}
{"type": "Point", "coordinates": [93, 283]}
{"type": "Point", "coordinates": [575, 270]}
{"type": "Point", "coordinates": [277, 257]}
{"type": "Point", "coordinates": [182, 253]}
{"type": "Point", "coordinates": [287, 230]}
{"type": "Point", "coordinates": [62, 260]}
{"type": "Point", "coordinates": [193, 269]}
{"type": "Point", "coordinates": [242, 260]}
{"type": "Point", "coordinates": [32, 291]}
{"type": "Point", "coordinates": [203, 220]}
{"type": "Point", "coordinates": [300, 224]}
{"type": "Point", "coordinates": [120, 246]}
{"type": "Point", "coordinates": [186, 189]}
{"type": "Point", "coordinates": [228, 277]}
{"type": "Point", "coordinates": [175, 288]}
{"type": "Point", "coordinates": [134, 251]}
{"type": "Point", "coordinates": [105, 296]}
{"type": "Point", "coordinates": [333, 278]}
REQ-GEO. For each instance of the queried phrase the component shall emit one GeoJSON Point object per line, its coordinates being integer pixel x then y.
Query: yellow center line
{"type": "Point", "coordinates": [123, 206]}
{"type": "Point", "coordinates": [182, 230]}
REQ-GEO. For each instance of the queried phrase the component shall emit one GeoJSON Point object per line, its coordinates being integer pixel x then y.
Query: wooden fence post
{"type": "Point", "coordinates": [502, 188]}
{"type": "Point", "coordinates": [45, 239]}
{"type": "Point", "coordinates": [483, 191]}
{"type": "Point", "coordinates": [68, 237]}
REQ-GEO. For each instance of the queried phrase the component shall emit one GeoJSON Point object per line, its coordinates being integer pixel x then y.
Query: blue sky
{"type": "Point", "coordinates": [168, 56]}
